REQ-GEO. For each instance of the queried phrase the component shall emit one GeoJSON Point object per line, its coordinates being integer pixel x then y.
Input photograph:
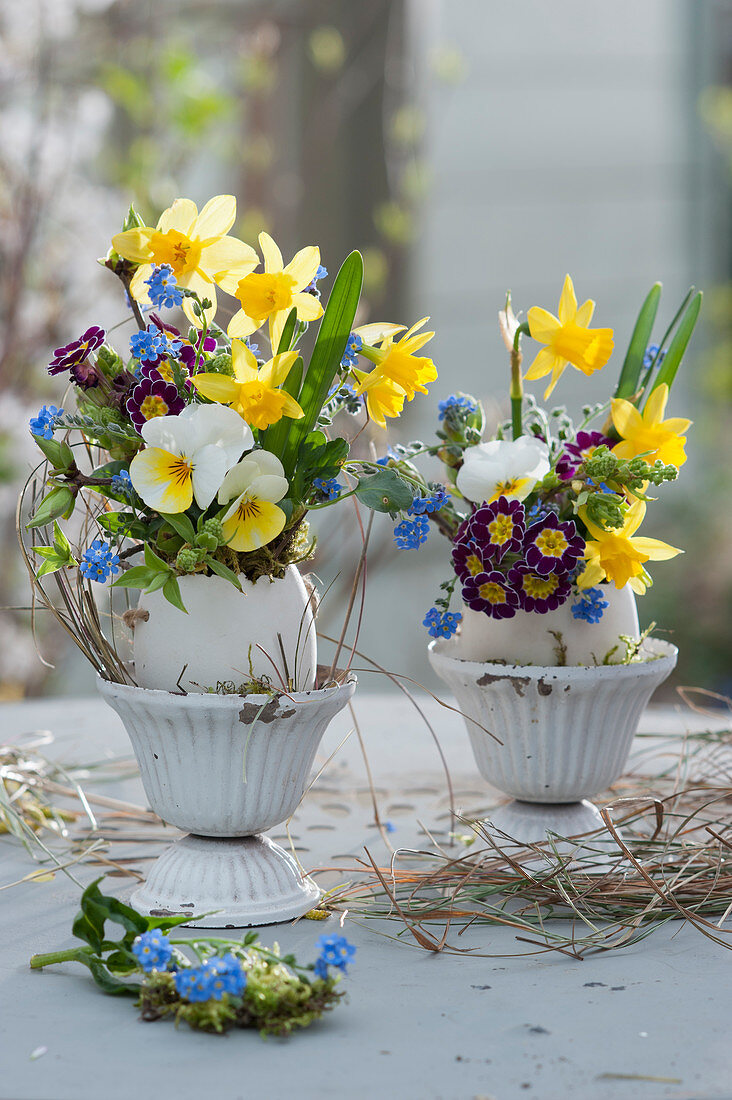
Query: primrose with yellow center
{"type": "Point", "coordinates": [537, 591]}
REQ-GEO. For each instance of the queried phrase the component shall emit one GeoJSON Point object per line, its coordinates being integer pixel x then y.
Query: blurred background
{"type": "Point", "coordinates": [465, 147]}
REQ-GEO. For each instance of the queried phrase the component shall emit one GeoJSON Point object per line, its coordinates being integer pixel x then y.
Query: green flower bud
{"type": "Point", "coordinates": [220, 364]}
{"type": "Point", "coordinates": [206, 541]}
{"type": "Point", "coordinates": [215, 528]}
{"type": "Point", "coordinates": [186, 560]}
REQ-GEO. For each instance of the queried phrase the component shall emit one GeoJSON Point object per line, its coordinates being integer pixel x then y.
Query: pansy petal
{"type": "Point", "coordinates": [269, 487]}
{"type": "Point", "coordinates": [255, 529]}
{"type": "Point", "coordinates": [216, 218]}
{"type": "Point", "coordinates": [209, 468]}
{"type": "Point", "coordinates": [303, 266]}
{"type": "Point", "coordinates": [162, 480]}
{"type": "Point", "coordinates": [237, 481]}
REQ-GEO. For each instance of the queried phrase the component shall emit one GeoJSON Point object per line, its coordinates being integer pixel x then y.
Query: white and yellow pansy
{"type": "Point", "coordinates": [252, 489]}
{"type": "Point", "coordinates": [502, 468]}
{"type": "Point", "coordinates": [187, 456]}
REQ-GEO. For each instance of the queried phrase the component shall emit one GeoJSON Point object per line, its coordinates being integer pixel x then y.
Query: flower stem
{"type": "Point", "coordinates": [70, 955]}
{"type": "Point", "coordinates": [517, 385]}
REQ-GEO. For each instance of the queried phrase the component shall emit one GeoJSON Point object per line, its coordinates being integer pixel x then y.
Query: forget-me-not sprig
{"type": "Point", "coordinates": [432, 503]}
{"type": "Point", "coordinates": [590, 605]}
{"type": "Point", "coordinates": [163, 290]}
{"type": "Point", "coordinates": [210, 981]}
{"type": "Point", "coordinates": [122, 485]}
{"type": "Point", "coordinates": [353, 347]}
{"type": "Point", "coordinates": [441, 624]}
{"type": "Point", "coordinates": [45, 423]}
{"type": "Point", "coordinates": [99, 562]}
{"type": "Point", "coordinates": [335, 951]}
{"type": "Point", "coordinates": [152, 950]}
{"type": "Point", "coordinates": [151, 344]}
{"type": "Point", "coordinates": [321, 273]}
{"type": "Point", "coordinates": [329, 489]}
{"type": "Point", "coordinates": [650, 355]}
{"type": "Point", "coordinates": [458, 402]}
{"type": "Point", "coordinates": [411, 533]}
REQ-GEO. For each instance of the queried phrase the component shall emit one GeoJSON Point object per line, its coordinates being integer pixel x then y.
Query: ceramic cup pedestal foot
{"type": "Point", "coordinates": [522, 823]}
{"type": "Point", "coordinates": [238, 882]}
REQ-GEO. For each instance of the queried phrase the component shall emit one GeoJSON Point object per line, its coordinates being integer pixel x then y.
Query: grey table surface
{"type": "Point", "coordinates": [416, 1025]}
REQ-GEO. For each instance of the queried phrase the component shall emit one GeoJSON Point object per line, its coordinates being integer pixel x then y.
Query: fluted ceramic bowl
{"type": "Point", "coordinates": [559, 734]}
{"type": "Point", "coordinates": [225, 769]}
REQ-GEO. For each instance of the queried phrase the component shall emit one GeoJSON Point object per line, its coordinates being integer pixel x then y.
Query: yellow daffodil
{"type": "Point", "coordinates": [647, 433]}
{"type": "Point", "coordinates": [568, 339]}
{"type": "Point", "coordinates": [195, 245]}
{"type": "Point", "coordinates": [269, 295]}
{"type": "Point", "coordinates": [187, 456]}
{"type": "Point", "coordinates": [617, 556]}
{"type": "Point", "coordinates": [253, 391]}
{"type": "Point", "coordinates": [398, 373]}
{"type": "Point", "coordinates": [252, 489]}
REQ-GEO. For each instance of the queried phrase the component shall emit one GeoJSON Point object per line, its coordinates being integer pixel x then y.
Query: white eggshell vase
{"type": "Point", "coordinates": [267, 629]}
{"type": "Point", "coordinates": [225, 769]}
{"type": "Point", "coordinates": [556, 734]}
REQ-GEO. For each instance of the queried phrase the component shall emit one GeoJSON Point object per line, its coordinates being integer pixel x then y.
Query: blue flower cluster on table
{"type": "Point", "coordinates": [99, 562]}
{"type": "Point", "coordinates": [335, 951]}
{"type": "Point", "coordinates": [44, 424]}
{"type": "Point", "coordinates": [163, 290]}
{"type": "Point", "coordinates": [218, 975]}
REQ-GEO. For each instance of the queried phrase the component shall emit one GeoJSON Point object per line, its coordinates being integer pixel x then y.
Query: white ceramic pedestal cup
{"type": "Point", "coordinates": [225, 769]}
{"type": "Point", "coordinates": [561, 734]}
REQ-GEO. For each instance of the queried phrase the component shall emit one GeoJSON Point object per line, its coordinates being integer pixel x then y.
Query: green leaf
{"type": "Point", "coordinates": [182, 524]}
{"type": "Point", "coordinates": [52, 564]}
{"type": "Point", "coordinates": [58, 453]}
{"type": "Point", "coordinates": [318, 456]}
{"type": "Point", "coordinates": [335, 328]}
{"type": "Point", "coordinates": [679, 344]}
{"type": "Point", "coordinates": [288, 331]}
{"type": "Point", "coordinates": [275, 437]}
{"type": "Point", "coordinates": [158, 581]}
{"type": "Point", "coordinates": [385, 491]}
{"type": "Point", "coordinates": [153, 562]}
{"type": "Point", "coordinates": [222, 570]}
{"type": "Point", "coordinates": [171, 591]}
{"type": "Point", "coordinates": [59, 502]}
{"type": "Point", "coordinates": [137, 577]}
{"type": "Point", "coordinates": [639, 341]}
